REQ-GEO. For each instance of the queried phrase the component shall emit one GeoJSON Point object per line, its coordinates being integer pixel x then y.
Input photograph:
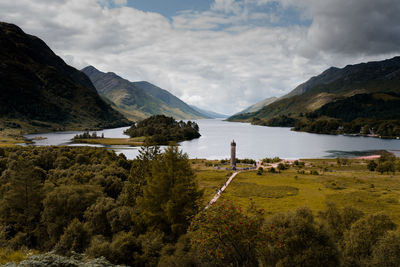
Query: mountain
{"type": "Point", "coordinates": [332, 85]}
{"type": "Point", "coordinates": [139, 100]}
{"type": "Point", "coordinates": [259, 105]}
{"type": "Point", "coordinates": [38, 90]}
{"type": "Point", "coordinates": [209, 113]}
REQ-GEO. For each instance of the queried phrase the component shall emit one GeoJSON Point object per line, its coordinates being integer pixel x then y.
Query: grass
{"type": "Point", "coordinates": [136, 141]}
{"type": "Point", "coordinates": [8, 255]}
{"type": "Point", "coordinates": [11, 137]}
{"type": "Point", "coordinates": [350, 185]}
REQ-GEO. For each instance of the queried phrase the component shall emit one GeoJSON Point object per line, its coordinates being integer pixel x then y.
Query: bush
{"type": "Point", "coordinates": [363, 236]}
{"type": "Point", "coordinates": [225, 235]}
{"type": "Point", "coordinates": [297, 240]}
{"type": "Point", "coordinates": [372, 165]}
{"type": "Point", "coordinates": [260, 171]}
{"type": "Point", "coordinates": [75, 238]}
{"type": "Point", "coordinates": [386, 252]}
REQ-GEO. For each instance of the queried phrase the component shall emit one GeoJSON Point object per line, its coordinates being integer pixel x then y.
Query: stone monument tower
{"type": "Point", "coordinates": [233, 154]}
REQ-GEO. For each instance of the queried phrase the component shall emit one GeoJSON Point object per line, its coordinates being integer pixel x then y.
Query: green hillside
{"type": "Point", "coordinates": [139, 100]}
{"type": "Point", "coordinates": [366, 93]}
{"type": "Point", "coordinates": [40, 92]}
{"type": "Point", "coordinates": [259, 105]}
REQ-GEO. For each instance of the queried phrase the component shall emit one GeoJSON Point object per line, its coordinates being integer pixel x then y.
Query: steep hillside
{"type": "Point", "coordinates": [332, 85]}
{"type": "Point", "coordinates": [138, 100]}
{"type": "Point", "coordinates": [39, 91]}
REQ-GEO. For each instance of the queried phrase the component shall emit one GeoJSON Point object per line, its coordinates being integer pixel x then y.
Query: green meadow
{"type": "Point", "coordinates": [349, 185]}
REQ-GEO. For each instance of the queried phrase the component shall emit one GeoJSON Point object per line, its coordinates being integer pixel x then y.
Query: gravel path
{"type": "Point", "coordinates": [217, 195]}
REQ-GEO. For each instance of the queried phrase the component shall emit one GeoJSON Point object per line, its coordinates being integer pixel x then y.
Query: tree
{"type": "Point", "coordinates": [21, 204]}
{"type": "Point", "coordinates": [140, 169]}
{"type": "Point", "coordinates": [372, 165]}
{"type": "Point", "coordinates": [339, 221]}
{"type": "Point", "coordinates": [171, 195]}
{"type": "Point", "coordinates": [96, 216]}
{"type": "Point", "coordinates": [386, 166]}
{"type": "Point", "coordinates": [386, 252]}
{"type": "Point", "coordinates": [297, 240]}
{"type": "Point", "coordinates": [363, 236]}
{"type": "Point", "coordinates": [75, 238]}
{"type": "Point", "coordinates": [224, 235]}
{"type": "Point", "coordinates": [63, 204]}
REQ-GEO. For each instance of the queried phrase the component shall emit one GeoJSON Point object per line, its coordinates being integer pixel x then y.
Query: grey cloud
{"type": "Point", "coordinates": [353, 27]}
{"type": "Point", "coordinates": [225, 70]}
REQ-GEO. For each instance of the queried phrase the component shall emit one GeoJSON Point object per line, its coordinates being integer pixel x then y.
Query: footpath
{"type": "Point", "coordinates": [218, 194]}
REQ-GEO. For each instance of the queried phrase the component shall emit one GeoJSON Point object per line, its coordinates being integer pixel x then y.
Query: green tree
{"type": "Point", "coordinates": [63, 204]}
{"type": "Point", "coordinates": [339, 221]}
{"type": "Point", "coordinates": [75, 238]}
{"type": "Point", "coordinates": [372, 165]}
{"type": "Point", "coordinates": [171, 194]}
{"type": "Point", "coordinates": [362, 237]}
{"type": "Point", "coordinates": [96, 216]}
{"type": "Point", "coordinates": [297, 240]}
{"type": "Point", "coordinates": [386, 252]}
{"type": "Point", "coordinates": [21, 203]}
{"type": "Point", "coordinates": [224, 235]}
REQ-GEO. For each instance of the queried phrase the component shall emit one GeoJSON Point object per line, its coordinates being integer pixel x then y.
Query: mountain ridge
{"type": "Point", "coordinates": [331, 85]}
{"type": "Point", "coordinates": [40, 91]}
{"type": "Point", "coordinates": [139, 100]}
{"type": "Point", "coordinates": [357, 99]}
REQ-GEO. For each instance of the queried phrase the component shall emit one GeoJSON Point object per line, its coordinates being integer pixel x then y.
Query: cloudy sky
{"type": "Point", "coordinates": [222, 55]}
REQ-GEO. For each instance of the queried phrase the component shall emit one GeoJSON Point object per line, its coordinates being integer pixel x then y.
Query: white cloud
{"type": "Point", "coordinates": [215, 59]}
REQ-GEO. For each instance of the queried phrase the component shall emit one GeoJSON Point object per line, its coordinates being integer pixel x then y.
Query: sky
{"type": "Point", "coordinates": [220, 55]}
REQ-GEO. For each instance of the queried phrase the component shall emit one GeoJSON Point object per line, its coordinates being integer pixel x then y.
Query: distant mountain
{"type": "Point", "coordinates": [139, 100]}
{"type": "Point", "coordinates": [259, 105]}
{"type": "Point", "coordinates": [209, 113]}
{"type": "Point", "coordinates": [38, 90]}
{"type": "Point", "coordinates": [332, 85]}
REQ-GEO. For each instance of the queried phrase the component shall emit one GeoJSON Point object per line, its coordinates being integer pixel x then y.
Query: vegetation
{"type": "Point", "coordinates": [160, 129]}
{"type": "Point", "coordinates": [87, 135]}
{"type": "Point", "coordinates": [89, 200]}
{"type": "Point", "coordinates": [358, 99]}
{"type": "Point", "coordinates": [50, 94]}
{"type": "Point", "coordinates": [87, 203]}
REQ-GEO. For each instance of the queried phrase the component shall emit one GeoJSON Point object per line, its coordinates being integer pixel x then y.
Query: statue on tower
{"type": "Point", "coordinates": [233, 155]}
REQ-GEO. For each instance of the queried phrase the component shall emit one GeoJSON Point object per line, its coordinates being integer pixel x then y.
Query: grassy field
{"type": "Point", "coordinates": [136, 141]}
{"type": "Point", "coordinates": [11, 137]}
{"type": "Point", "coordinates": [350, 185]}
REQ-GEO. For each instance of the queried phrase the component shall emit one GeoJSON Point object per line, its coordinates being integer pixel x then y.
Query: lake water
{"type": "Point", "coordinates": [252, 141]}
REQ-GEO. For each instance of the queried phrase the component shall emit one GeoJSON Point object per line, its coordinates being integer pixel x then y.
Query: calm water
{"type": "Point", "coordinates": [254, 142]}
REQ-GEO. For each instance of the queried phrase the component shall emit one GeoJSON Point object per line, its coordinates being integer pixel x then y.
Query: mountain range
{"type": "Point", "coordinates": [38, 90]}
{"type": "Point", "coordinates": [139, 100]}
{"type": "Point", "coordinates": [332, 85]}
{"type": "Point", "coordinates": [358, 95]}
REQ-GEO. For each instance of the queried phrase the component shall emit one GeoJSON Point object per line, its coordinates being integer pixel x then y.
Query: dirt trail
{"type": "Point", "coordinates": [218, 194]}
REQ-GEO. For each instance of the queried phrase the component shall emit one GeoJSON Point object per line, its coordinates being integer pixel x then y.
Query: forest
{"type": "Point", "coordinates": [160, 129]}
{"type": "Point", "coordinates": [149, 212]}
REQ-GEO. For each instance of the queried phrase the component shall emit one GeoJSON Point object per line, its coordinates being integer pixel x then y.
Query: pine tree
{"type": "Point", "coordinates": [21, 204]}
{"type": "Point", "coordinates": [171, 195]}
